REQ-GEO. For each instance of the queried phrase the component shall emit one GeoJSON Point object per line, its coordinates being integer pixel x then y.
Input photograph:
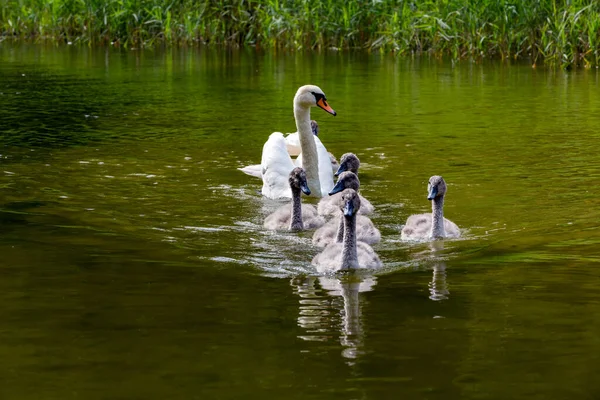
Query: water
{"type": "Point", "coordinates": [134, 263]}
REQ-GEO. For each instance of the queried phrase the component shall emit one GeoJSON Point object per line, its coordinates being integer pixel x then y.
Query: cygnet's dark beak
{"type": "Point", "coordinates": [339, 186]}
{"type": "Point", "coordinates": [323, 104]}
{"type": "Point", "coordinates": [341, 169]}
{"type": "Point", "coordinates": [348, 209]}
{"type": "Point", "coordinates": [315, 128]}
{"type": "Point", "coordinates": [304, 188]}
{"type": "Point", "coordinates": [432, 193]}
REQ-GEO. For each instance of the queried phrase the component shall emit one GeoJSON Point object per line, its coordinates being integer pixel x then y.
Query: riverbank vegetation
{"type": "Point", "coordinates": [565, 33]}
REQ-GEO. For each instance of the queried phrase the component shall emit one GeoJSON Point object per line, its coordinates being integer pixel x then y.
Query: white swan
{"type": "Point", "coordinates": [434, 225]}
{"type": "Point", "coordinates": [349, 254]}
{"type": "Point", "coordinates": [276, 162]}
{"type": "Point", "coordinates": [346, 180]}
{"type": "Point", "coordinates": [299, 216]}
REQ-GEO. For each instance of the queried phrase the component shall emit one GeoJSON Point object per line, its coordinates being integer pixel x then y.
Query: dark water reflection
{"type": "Point", "coordinates": [134, 263]}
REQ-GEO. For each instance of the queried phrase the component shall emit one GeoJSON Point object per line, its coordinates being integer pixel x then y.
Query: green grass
{"type": "Point", "coordinates": [565, 33]}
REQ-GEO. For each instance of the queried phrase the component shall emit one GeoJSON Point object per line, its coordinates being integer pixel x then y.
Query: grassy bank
{"type": "Point", "coordinates": [565, 33]}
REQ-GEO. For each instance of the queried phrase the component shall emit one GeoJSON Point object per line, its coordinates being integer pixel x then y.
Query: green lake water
{"type": "Point", "coordinates": [135, 266]}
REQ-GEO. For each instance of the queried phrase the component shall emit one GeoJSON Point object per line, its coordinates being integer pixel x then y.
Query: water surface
{"type": "Point", "coordinates": [134, 263]}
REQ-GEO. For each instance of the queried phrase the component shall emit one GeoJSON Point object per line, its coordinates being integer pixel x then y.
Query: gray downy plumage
{"type": "Point", "coordinates": [298, 216]}
{"type": "Point", "coordinates": [346, 180]}
{"type": "Point", "coordinates": [349, 254]}
{"type": "Point", "coordinates": [432, 225]}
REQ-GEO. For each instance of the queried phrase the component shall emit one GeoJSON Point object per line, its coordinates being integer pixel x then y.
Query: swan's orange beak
{"type": "Point", "coordinates": [323, 104]}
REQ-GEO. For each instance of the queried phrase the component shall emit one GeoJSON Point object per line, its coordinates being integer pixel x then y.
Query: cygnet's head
{"type": "Point", "coordinates": [436, 187]}
{"type": "Point", "coordinates": [350, 202]}
{"type": "Point", "coordinates": [298, 181]}
{"type": "Point", "coordinates": [312, 96]}
{"type": "Point", "coordinates": [348, 162]}
{"type": "Point", "coordinates": [314, 127]}
{"type": "Point", "coordinates": [346, 180]}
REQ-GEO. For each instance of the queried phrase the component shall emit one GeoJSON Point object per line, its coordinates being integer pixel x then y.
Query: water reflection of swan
{"type": "Point", "coordinates": [320, 309]}
{"type": "Point", "coordinates": [438, 288]}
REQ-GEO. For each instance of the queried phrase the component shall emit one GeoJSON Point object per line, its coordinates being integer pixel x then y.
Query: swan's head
{"type": "Point", "coordinates": [314, 127]}
{"type": "Point", "coordinates": [348, 162]}
{"type": "Point", "coordinates": [312, 96]}
{"type": "Point", "coordinates": [346, 180]}
{"type": "Point", "coordinates": [350, 202]}
{"type": "Point", "coordinates": [436, 187]}
{"type": "Point", "coordinates": [298, 180]}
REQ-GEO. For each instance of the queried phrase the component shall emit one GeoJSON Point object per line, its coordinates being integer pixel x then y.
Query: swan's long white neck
{"type": "Point", "coordinates": [437, 223]}
{"type": "Point", "coordinates": [349, 251]}
{"type": "Point", "coordinates": [310, 159]}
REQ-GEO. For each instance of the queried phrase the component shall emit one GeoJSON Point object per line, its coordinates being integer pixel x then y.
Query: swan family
{"type": "Point", "coordinates": [347, 237]}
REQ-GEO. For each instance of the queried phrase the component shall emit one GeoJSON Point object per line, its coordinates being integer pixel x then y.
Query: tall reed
{"type": "Point", "coordinates": [560, 32]}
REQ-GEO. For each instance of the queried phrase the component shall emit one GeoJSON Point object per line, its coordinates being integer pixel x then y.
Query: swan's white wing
{"type": "Point", "coordinates": [292, 142]}
{"type": "Point", "coordinates": [276, 166]}
{"type": "Point", "coordinates": [325, 171]}
{"type": "Point", "coordinates": [253, 170]}
{"type": "Point", "coordinates": [335, 165]}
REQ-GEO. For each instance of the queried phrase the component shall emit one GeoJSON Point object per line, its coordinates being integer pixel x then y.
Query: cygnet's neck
{"type": "Point", "coordinates": [310, 159]}
{"type": "Point", "coordinates": [296, 220]}
{"type": "Point", "coordinates": [340, 232]}
{"type": "Point", "coordinates": [349, 251]}
{"type": "Point", "coordinates": [437, 223]}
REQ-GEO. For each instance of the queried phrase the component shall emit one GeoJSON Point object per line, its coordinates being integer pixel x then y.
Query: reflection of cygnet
{"type": "Point", "coordinates": [438, 288]}
{"type": "Point", "coordinates": [349, 288]}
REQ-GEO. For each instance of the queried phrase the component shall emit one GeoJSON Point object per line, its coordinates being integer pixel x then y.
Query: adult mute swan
{"type": "Point", "coordinates": [276, 162]}
{"type": "Point", "coordinates": [299, 216]}
{"type": "Point", "coordinates": [434, 225]}
{"type": "Point", "coordinates": [349, 254]}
